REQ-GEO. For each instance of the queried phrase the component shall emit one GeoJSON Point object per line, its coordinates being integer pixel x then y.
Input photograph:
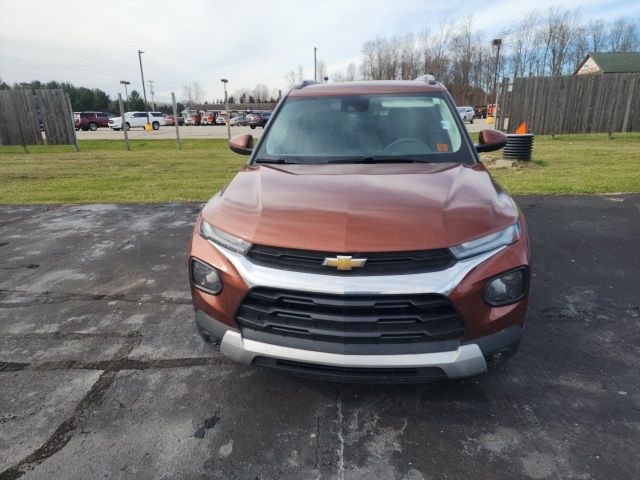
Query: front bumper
{"type": "Point", "coordinates": [470, 358]}
{"type": "Point", "coordinates": [492, 333]}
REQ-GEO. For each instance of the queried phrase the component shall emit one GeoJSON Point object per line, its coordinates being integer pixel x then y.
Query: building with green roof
{"type": "Point", "coordinates": [609, 62]}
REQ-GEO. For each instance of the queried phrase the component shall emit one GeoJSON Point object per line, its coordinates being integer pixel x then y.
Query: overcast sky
{"type": "Point", "coordinates": [94, 44]}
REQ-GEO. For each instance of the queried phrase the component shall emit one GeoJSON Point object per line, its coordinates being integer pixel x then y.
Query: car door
{"type": "Point", "coordinates": [139, 119]}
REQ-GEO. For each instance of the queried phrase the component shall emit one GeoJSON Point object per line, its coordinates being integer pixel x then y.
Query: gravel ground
{"type": "Point", "coordinates": [102, 373]}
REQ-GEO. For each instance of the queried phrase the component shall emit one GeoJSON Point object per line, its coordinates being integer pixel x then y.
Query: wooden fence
{"type": "Point", "coordinates": [573, 104]}
{"type": "Point", "coordinates": [24, 114]}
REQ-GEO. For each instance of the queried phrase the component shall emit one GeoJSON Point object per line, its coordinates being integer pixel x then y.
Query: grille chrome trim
{"type": "Point", "coordinates": [442, 282]}
{"type": "Point", "coordinates": [372, 263]}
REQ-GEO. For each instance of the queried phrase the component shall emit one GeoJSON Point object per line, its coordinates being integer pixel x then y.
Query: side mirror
{"type": "Point", "coordinates": [491, 140]}
{"type": "Point", "coordinates": [242, 144]}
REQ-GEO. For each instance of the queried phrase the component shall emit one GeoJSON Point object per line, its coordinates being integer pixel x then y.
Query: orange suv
{"type": "Point", "coordinates": [363, 241]}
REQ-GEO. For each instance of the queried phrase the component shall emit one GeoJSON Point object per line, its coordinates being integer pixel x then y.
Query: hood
{"type": "Point", "coordinates": [354, 208]}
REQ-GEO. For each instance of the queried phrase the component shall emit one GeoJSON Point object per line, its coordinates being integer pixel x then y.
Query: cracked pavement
{"type": "Point", "coordinates": [102, 373]}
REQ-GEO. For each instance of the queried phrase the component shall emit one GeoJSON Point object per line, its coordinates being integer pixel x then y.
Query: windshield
{"type": "Point", "coordinates": [383, 127]}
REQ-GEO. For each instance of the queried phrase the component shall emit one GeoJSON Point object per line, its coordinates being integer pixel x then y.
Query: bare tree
{"type": "Point", "coordinates": [198, 92]}
{"type": "Point", "coordinates": [596, 35]}
{"type": "Point", "coordinates": [290, 77]}
{"type": "Point", "coordinates": [242, 95]}
{"type": "Point", "coordinates": [351, 72]}
{"type": "Point", "coordinates": [623, 35]}
{"type": "Point", "coordinates": [187, 94]}
{"type": "Point", "coordinates": [321, 70]}
{"type": "Point", "coordinates": [410, 64]}
{"type": "Point", "coordinates": [260, 93]}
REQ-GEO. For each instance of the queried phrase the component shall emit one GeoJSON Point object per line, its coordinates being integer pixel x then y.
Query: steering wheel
{"type": "Point", "coordinates": [415, 141]}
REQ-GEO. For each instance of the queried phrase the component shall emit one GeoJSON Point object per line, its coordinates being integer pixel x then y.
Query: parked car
{"type": "Point", "coordinates": [467, 114]}
{"type": "Point", "coordinates": [221, 119]}
{"type": "Point", "coordinates": [207, 118]}
{"type": "Point", "coordinates": [239, 120]}
{"type": "Point", "coordinates": [91, 120]}
{"type": "Point", "coordinates": [480, 111]}
{"type": "Point", "coordinates": [368, 244]}
{"type": "Point", "coordinates": [193, 119]}
{"type": "Point", "coordinates": [169, 121]}
{"type": "Point", "coordinates": [258, 120]}
{"type": "Point", "coordinates": [137, 119]}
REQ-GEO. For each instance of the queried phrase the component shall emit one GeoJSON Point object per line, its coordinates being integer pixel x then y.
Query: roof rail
{"type": "Point", "coordinates": [306, 83]}
{"type": "Point", "coordinates": [428, 78]}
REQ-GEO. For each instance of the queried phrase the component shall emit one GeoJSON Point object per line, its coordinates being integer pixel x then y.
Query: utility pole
{"type": "Point", "coordinates": [153, 102]}
{"type": "Point", "coordinates": [315, 64]}
{"type": "Point", "coordinates": [144, 90]}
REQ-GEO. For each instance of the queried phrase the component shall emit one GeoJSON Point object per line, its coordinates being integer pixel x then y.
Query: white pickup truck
{"type": "Point", "coordinates": [137, 119]}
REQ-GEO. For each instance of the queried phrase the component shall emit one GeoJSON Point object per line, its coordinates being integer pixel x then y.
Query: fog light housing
{"type": "Point", "coordinates": [506, 288]}
{"type": "Point", "coordinates": [204, 277]}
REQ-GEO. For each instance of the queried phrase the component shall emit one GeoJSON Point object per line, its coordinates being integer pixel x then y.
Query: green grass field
{"type": "Point", "coordinates": [103, 171]}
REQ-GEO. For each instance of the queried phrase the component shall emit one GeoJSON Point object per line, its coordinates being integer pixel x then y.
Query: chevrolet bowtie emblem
{"type": "Point", "coordinates": [344, 262]}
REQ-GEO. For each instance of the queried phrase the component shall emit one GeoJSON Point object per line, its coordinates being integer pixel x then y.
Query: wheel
{"type": "Point", "coordinates": [93, 127]}
{"type": "Point", "coordinates": [116, 129]}
{"type": "Point", "coordinates": [127, 126]}
{"type": "Point", "coordinates": [253, 127]}
{"type": "Point", "coordinates": [155, 125]}
{"type": "Point", "coordinates": [471, 121]}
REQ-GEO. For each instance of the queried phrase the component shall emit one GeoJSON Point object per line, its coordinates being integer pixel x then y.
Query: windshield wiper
{"type": "Point", "coordinates": [275, 160]}
{"type": "Point", "coordinates": [365, 159]}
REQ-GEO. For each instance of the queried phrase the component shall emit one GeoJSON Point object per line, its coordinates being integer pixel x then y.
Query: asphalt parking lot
{"type": "Point", "coordinates": [203, 131]}
{"type": "Point", "coordinates": [102, 374]}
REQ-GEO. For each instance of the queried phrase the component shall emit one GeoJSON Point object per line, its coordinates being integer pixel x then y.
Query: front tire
{"type": "Point", "coordinates": [93, 127]}
{"type": "Point", "coordinates": [252, 127]}
{"type": "Point", "coordinates": [127, 126]}
{"type": "Point", "coordinates": [155, 125]}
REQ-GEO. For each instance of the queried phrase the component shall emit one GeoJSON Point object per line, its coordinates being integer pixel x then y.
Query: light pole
{"type": "Point", "coordinates": [315, 64]}
{"type": "Point", "coordinates": [126, 95]}
{"type": "Point", "coordinates": [226, 104]}
{"type": "Point", "coordinates": [144, 90]}
{"type": "Point", "coordinates": [497, 42]}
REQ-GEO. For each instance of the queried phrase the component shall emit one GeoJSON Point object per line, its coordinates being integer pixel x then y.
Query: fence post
{"type": "Point", "coordinates": [175, 119]}
{"type": "Point", "coordinates": [627, 110]}
{"type": "Point", "coordinates": [124, 125]}
{"type": "Point", "coordinates": [73, 127]}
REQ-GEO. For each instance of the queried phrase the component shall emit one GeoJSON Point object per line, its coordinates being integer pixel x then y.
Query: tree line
{"type": "Point", "coordinates": [462, 56]}
{"type": "Point", "coordinates": [193, 94]}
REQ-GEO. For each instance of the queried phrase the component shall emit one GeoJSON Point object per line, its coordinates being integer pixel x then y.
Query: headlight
{"type": "Point", "coordinates": [485, 244]}
{"type": "Point", "coordinates": [224, 239]}
{"type": "Point", "coordinates": [205, 277]}
{"type": "Point", "coordinates": [506, 288]}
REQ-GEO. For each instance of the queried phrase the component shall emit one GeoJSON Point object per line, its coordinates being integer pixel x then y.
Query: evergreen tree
{"type": "Point", "coordinates": [136, 102]}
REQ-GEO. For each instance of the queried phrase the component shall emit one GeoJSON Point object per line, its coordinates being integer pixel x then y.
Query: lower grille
{"type": "Point", "coordinates": [351, 319]}
{"type": "Point", "coordinates": [351, 374]}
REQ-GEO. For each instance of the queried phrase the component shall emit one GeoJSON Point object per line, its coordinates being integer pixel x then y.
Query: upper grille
{"type": "Point", "coordinates": [349, 319]}
{"type": "Point", "coordinates": [378, 263]}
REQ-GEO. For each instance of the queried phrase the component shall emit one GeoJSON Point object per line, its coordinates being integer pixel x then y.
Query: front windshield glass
{"type": "Point", "coordinates": [418, 127]}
